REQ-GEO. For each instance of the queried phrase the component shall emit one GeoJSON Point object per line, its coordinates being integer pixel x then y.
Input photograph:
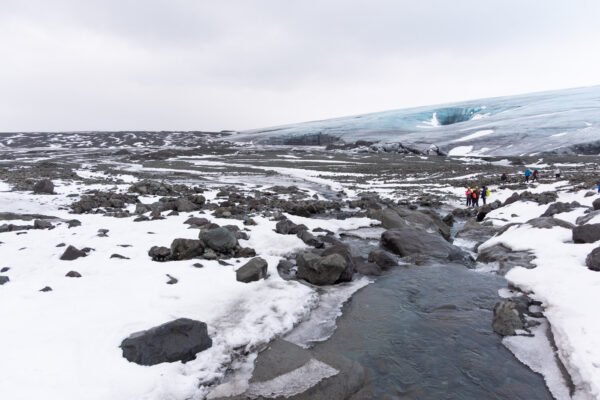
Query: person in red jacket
{"type": "Point", "coordinates": [469, 194]}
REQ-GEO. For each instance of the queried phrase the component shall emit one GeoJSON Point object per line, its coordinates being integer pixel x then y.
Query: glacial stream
{"type": "Point", "coordinates": [424, 332]}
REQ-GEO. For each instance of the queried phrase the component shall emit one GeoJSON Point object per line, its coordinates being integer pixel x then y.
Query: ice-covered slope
{"type": "Point", "coordinates": [564, 121]}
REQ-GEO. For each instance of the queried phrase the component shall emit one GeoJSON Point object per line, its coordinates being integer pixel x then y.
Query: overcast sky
{"type": "Point", "coordinates": [213, 65]}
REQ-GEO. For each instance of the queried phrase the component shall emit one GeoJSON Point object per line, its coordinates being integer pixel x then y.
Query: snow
{"type": "Point", "coordinates": [460, 151]}
{"type": "Point", "coordinates": [77, 327]}
{"type": "Point", "coordinates": [567, 289]}
{"type": "Point", "coordinates": [475, 135]}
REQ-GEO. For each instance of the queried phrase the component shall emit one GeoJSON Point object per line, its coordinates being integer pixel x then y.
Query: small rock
{"type": "Point", "coordinates": [119, 256]}
{"type": "Point", "coordinates": [382, 258]}
{"type": "Point", "coordinates": [73, 274]}
{"type": "Point", "coordinates": [72, 253]}
{"type": "Point", "coordinates": [102, 232]}
{"type": "Point", "coordinates": [172, 280]}
{"type": "Point", "coordinates": [61, 245]}
{"type": "Point", "coordinates": [46, 289]}
{"type": "Point", "coordinates": [588, 233]}
{"type": "Point", "coordinates": [3, 279]}
{"type": "Point", "coordinates": [73, 223]}
{"type": "Point", "coordinates": [198, 265]}
{"type": "Point", "coordinates": [253, 270]}
{"type": "Point", "coordinates": [245, 252]}
{"type": "Point", "coordinates": [42, 224]}
{"type": "Point", "coordinates": [507, 319]}
{"type": "Point", "coordinates": [4, 269]}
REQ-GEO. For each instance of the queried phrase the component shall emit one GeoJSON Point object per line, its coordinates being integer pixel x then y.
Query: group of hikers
{"type": "Point", "coordinates": [473, 195]}
{"type": "Point", "coordinates": [531, 174]}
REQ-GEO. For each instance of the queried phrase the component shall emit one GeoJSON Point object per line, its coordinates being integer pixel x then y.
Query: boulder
{"type": "Point", "coordinates": [195, 221]}
{"type": "Point", "coordinates": [253, 270]}
{"type": "Point", "coordinates": [476, 233]}
{"type": "Point", "coordinates": [485, 209]}
{"type": "Point", "coordinates": [589, 233]}
{"type": "Point", "coordinates": [245, 252]}
{"type": "Point", "coordinates": [73, 274]}
{"type": "Point", "coordinates": [506, 258]}
{"type": "Point", "coordinates": [344, 251]}
{"type": "Point", "coordinates": [512, 199]}
{"type": "Point", "coordinates": [4, 279]}
{"type": "Point", "coordinates": [186, 249]}
{"type": "Point", "coordinates": [507, 319]}
{"type": "Point", "coordinates": [42, 224]}
{"type": "Point", "coordinates": [557, 208]}
{"type": "Point", "coordinates": [310, 239]}
{"type": "Point", "coordinates": [402, 217]}
{"type": "Point", "coordinates": [221, 240]}
{"type": "Point", "coordinates": [159, 253]}
{"type": "Point", "coordinates": [584, 219]}
{"type": "Point", "coordinates": [72, 253]}
{"type": "Point", "coordinates": [172, 280]}
{"type": "Point", "coordinates": [287, 227]}
{"type": "Point", "coordinates": [593, 260]}
{"type": "Point", "coordinates": [184, 205]}
{"type": "Point", "coordinates": [320, 270]}
{"type": "Point", "coordinates": [44, 186]}
{"type": "Point", "coordinates": [596, 204]}
{"type": "Point", "coordinates": [409, 241]}
{"type": "Point", "coordinates": [178, 340]}
{"type": "Point", "coordinates": [549, 223]}
{"type": "Point", "coordinates": [382, 258]}
{"type": "Point", "coordinates": [367, 268]}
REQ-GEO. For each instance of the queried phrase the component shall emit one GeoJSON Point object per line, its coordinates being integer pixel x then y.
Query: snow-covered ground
{"type": "Point", "coordinates": [568, 290]}
{"type": "Point", "coordinates": [64, 344]}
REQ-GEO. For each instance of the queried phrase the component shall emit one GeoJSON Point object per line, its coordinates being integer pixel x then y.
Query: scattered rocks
{"type": "Point", "coordinates": [45, 186]}
{"type": "Point", "coordinates": [253, 270]}
{"type": "Point", "coordinates": [72, 253]}
{"type": "Point", "coordinates": [178, 340]}
{"type": "Point", "coordinates": [589, 233]}
{"type": "Point", "coordinates": [507, 319]}
{"type": "Point", "coordinates": [593, 260]}
{"type": "Point", "coordinates": [73, 274]}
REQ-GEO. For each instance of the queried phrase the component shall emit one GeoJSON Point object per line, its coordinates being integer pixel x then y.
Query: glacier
{"type": "Point", "coordinates": [555, 122]}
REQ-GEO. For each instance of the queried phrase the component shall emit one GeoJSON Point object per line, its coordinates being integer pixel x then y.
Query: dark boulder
{"type": "Point", "coordinates": [221, 240]}
{"type": "Point", "coordinates": [253, 270]}
{"type": "Point", "coordinates": [4, 279]}
{"type": "Point", "coordinates": [72, 253]}
{"type": "Point", "coordinates": [367, 268]}
{"type": "Point", "coordinates": [512, 199]}
{"type": "Point", "coordinates": [485, 209]}
{"type": "Point", "coordinates": [593, 260]}
{"type": "Point", "coordinates": [44, 186]}
{"type": "Point", "coordinates": [178, 340]}
{"type": "Point", "coordinates": [195, 221]}
{"type": "Point", "coordinates": [184, 205]}
{"type": "Point", "coordinates": [118, 256]}
{"type": "Point", "coordinates": [382, 258]}
{"type": "Point", "coordinates": [557, 208]}
{"type": "Point", "coordinates": [245, 252]}
{"type": "Point", "coordinates": [320, 270]}
{"type": "Point", "coordinates": [401, 217]}
{"type": "Point", "coordinates": [344, 251]}
{"type": "Point", "coordinates": [285, 268]}
{"type": "Point", "coordinates": [172, 280]}
{"type": "Point", "coordinates": [589, 233]}
{"type": "Point", "coordinates": [159, 253]}
{"type": "Point", "coordinates": [476, 233]}
{"type": "Point", "coordinates": [287, 227]}
{"type": "Point", "coordinates": [46, 289]}
{"type": "Point", "coordinates": [185, 249]}
{"type": "Point", "coordinates": [506, 258]}
{"type": "Point", "coordinates": [310, 239]}
{"type": "Point", "coordinates": [584, 219]}
{"type": "Point", "coordinates": [596, 204]}
{"type": "Point", "coordinates": [410, 241]}
{"type": "Point", "coordinates": [507, 318]}
{"type": "Point", "coordinates": [549, 223]}
{"type": "Point", "coordinates": [73, 274]}
{"type": "Point", "coordinates": [42, 224]}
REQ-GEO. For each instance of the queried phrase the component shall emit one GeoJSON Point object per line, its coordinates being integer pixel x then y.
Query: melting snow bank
{"type": "Point", "coordinates": [567, 289]}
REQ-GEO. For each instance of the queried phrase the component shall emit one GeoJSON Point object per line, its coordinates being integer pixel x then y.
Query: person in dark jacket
{"type": "Point", "coordinates": [535, 175]}
{"type": "Point", "coordinates": [476, 195]}
{"type": "Point", "coordinates": [504, 177]}
{"type": "Point", "coordinates": [484, 194]}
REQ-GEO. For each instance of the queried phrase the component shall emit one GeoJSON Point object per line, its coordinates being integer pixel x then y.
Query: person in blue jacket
{"type": "Point", "coordinates": [527, 174]}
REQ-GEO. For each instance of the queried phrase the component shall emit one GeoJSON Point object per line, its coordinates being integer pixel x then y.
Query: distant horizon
{"type": "Point", "coordinates": [305, 121]}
